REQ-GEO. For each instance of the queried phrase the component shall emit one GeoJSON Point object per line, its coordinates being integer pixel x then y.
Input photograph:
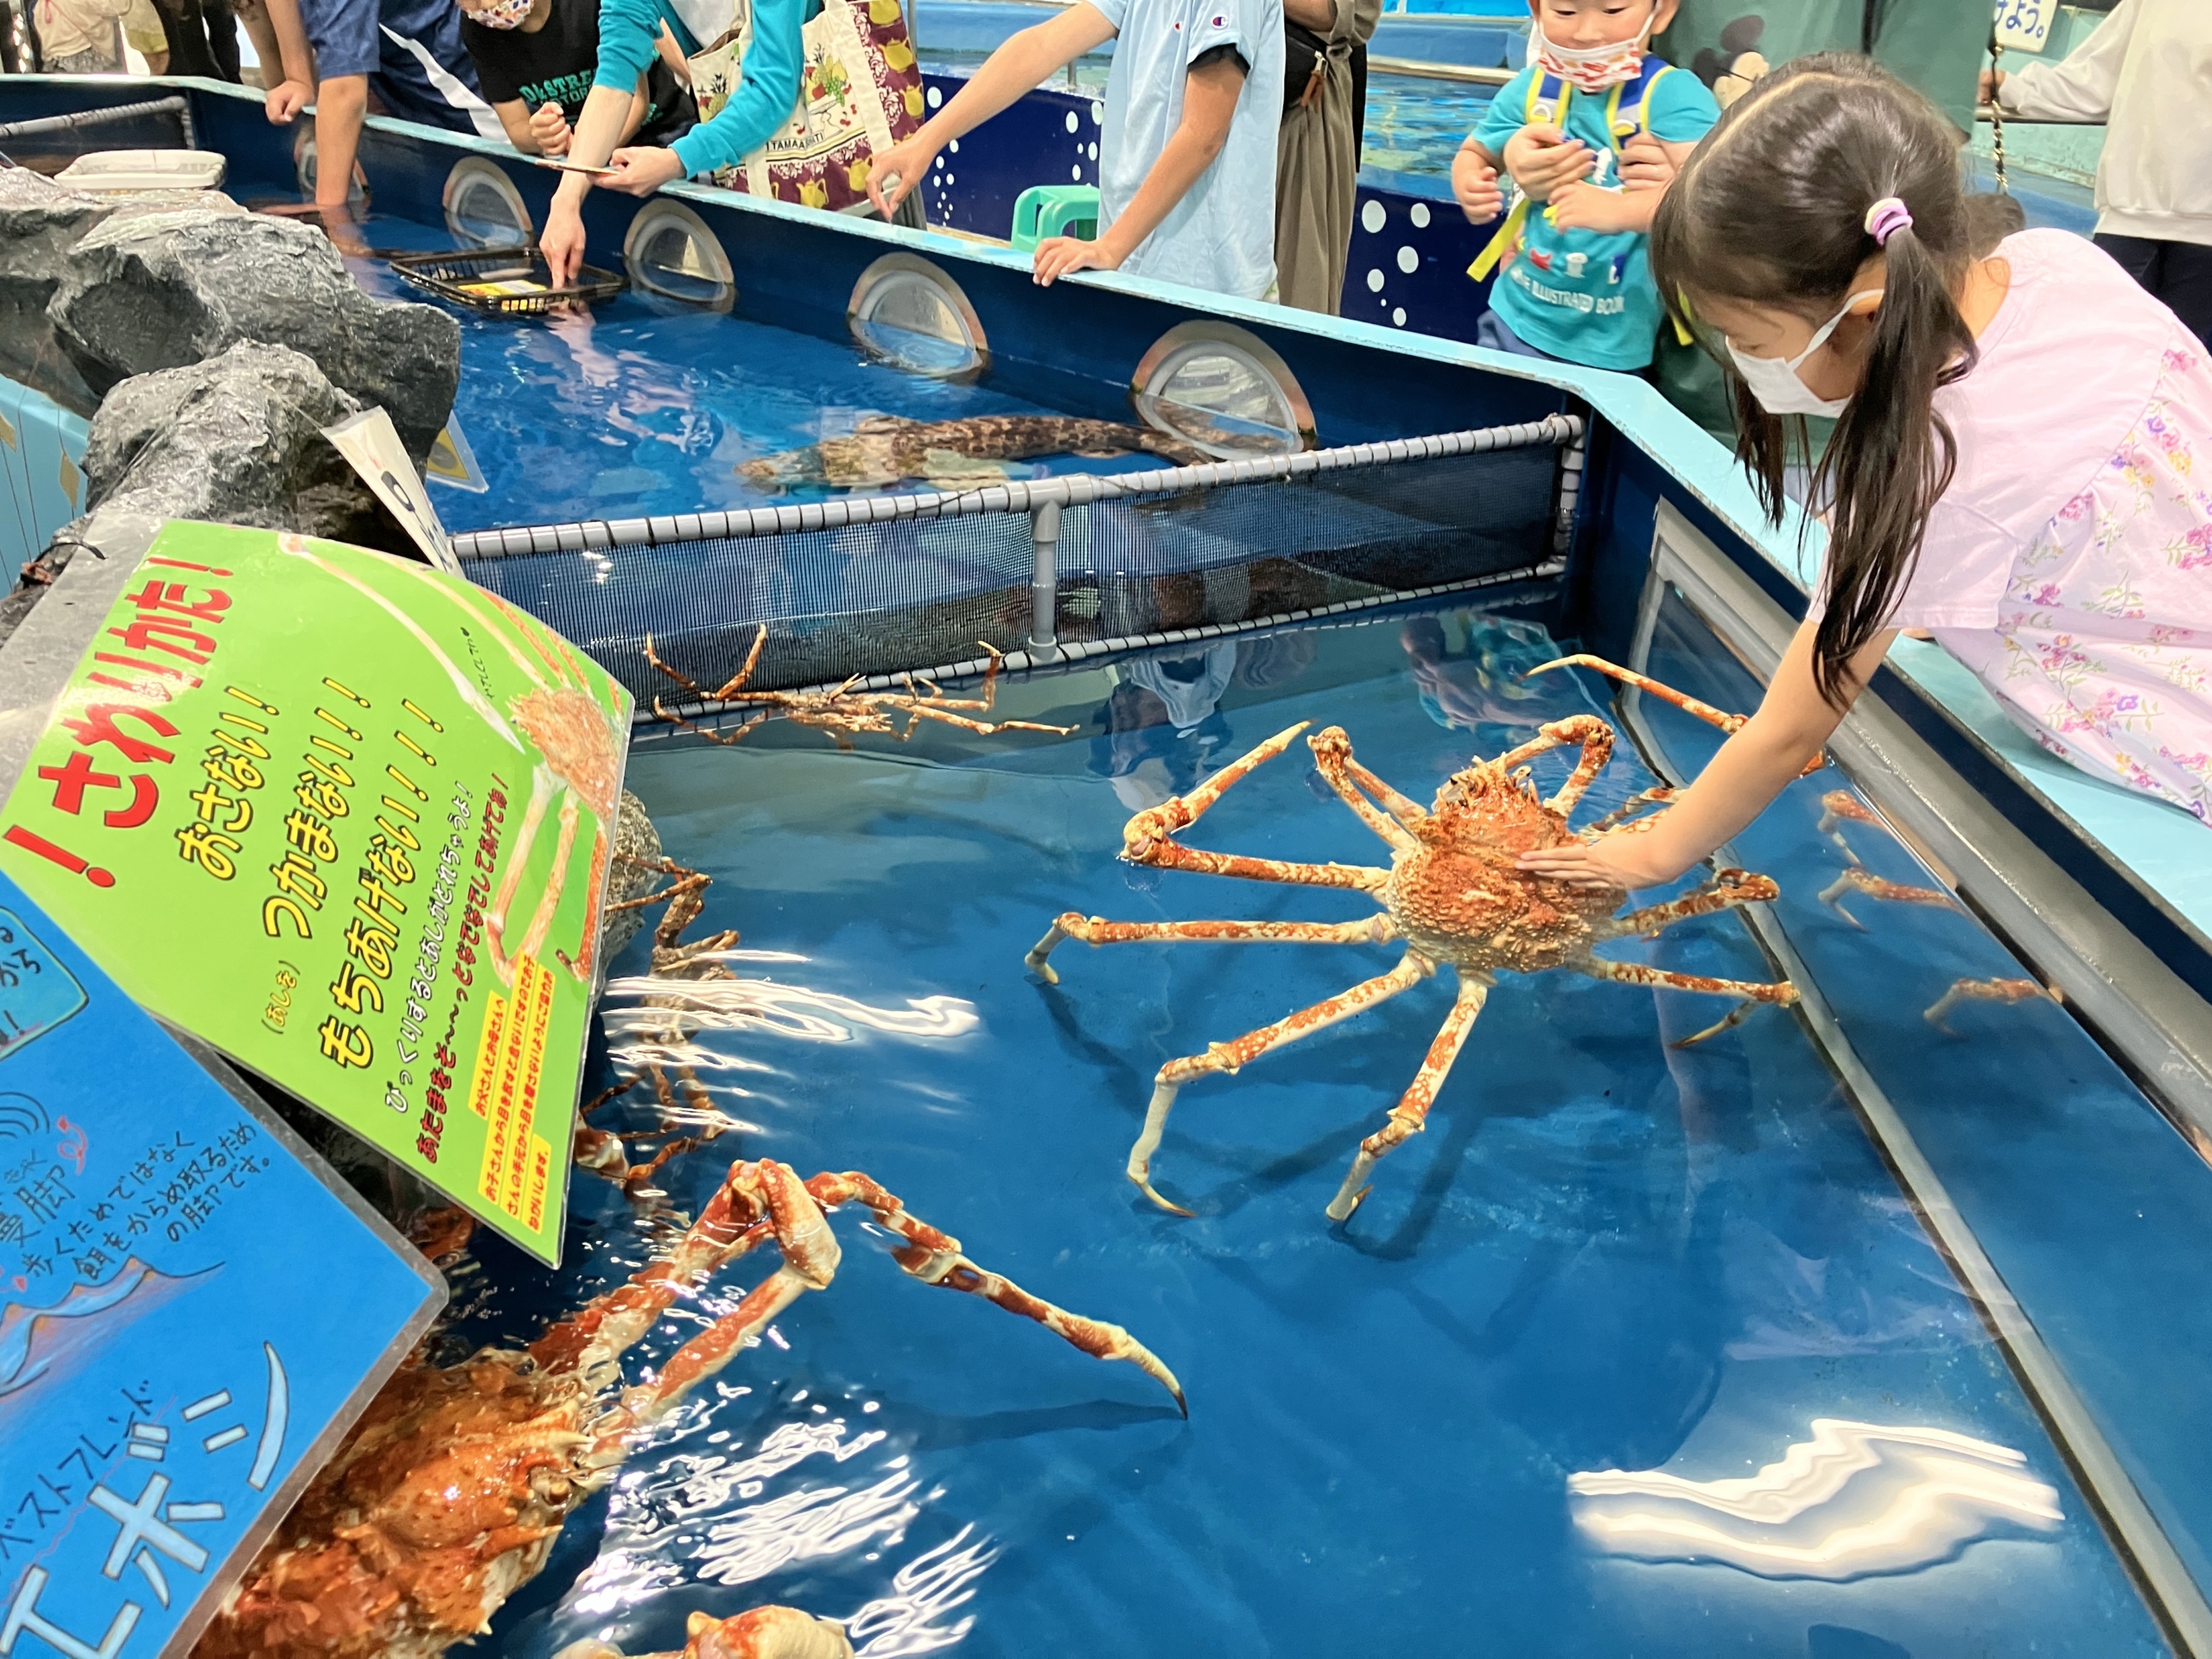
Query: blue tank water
{"type": "Point", "coordinates": [1432, 1430]}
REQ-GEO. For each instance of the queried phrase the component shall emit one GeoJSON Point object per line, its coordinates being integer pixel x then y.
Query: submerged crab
{"type": "Point", "coordinates": [1840, 807]}
{"type": "Point", "coordinates": [843, 712]}
{"type": "Point", "coordinates": [1451, 893]}
{"type": "Point", "coordinates": [448, 1492]}
{"type": "Point", "coordinates": [763, 1633]}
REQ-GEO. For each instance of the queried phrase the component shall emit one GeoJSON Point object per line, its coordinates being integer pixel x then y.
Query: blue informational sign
{"type": "Point", "coordinates": [189, 1316]}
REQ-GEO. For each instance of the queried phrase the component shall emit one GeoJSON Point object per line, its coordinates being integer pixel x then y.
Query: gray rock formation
{"type": "Point", "coordinates": [143, 293]}
{"type": "Point", "coordinates": [235, 440]}
{"type": "Point", "coordinates": [634, 838]}
{"type": "Point", "coordinates": [40, 222]}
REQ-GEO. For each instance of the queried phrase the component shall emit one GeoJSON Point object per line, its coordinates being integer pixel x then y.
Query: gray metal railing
{"type": "Point", "coordinates": [80, 119]}
{"type": "Point", "coordinates": [1074, 490]}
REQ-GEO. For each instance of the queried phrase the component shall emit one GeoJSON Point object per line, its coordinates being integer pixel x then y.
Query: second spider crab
{"type": "Point", "coordinates": [841, 711]}
{"type": "Point", "coordinates": [1840, 807]}
{"type": "Point", "coordinates": [450, 1491]}
{"type": "Point", "coordinates": [1451, 893]}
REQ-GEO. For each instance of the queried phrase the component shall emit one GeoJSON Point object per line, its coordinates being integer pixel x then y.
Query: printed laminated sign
{"type": "Point", "coordinates": [174, 1366]}
{"type": "Point", "coordinates": [349, 819]}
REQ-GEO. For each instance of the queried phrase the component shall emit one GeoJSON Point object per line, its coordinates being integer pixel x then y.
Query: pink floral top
{"type": "Point", "coordinates": [2069, 563]}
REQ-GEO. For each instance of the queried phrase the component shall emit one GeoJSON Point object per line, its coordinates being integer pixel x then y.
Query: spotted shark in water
{"type": "Point", "coordinates": [885, 449]}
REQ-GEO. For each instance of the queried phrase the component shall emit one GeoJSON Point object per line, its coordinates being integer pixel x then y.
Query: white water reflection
{"type": "Point", "coordinates": [668, 1012]}
{"type": "Point", "coordinates": [720, 1519]}
{"type": "Point", "coordinates": [1856, 1499]}
{"type": "Point", "coordinates": [934, 1583]}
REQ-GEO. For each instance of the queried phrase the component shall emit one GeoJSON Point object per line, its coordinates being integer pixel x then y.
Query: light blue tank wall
{"type": "Point", "coordinates": [42, 457]}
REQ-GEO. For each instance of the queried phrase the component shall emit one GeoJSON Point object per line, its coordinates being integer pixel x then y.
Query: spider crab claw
{"type": "Point", "coordinates": [765, 1633]}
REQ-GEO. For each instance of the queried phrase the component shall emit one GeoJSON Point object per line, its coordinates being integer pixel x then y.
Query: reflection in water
{"type": "Point", "coordinates": [1856, 1499]}
{"type": "Point", "coordinates": [654, 1540]}
{"type": "Point", "coordinates": [1470, 669]}
{"type": "Point", "coordinates": [650, 1021]}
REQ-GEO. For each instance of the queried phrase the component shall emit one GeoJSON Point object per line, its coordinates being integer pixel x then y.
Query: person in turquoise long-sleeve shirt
{"type": "Point", "coordinates": [629, 31]}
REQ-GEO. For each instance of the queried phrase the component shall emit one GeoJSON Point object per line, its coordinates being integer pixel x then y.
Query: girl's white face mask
{"type": "Point", "coordinates": [1773, 380]}
{"type": "Point", "coordinates": [1591, 68]}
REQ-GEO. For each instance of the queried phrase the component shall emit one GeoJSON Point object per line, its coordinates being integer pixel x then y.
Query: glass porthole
{"type": "Point", "coordinates": [483, 207]}
{"type": "Point", "coordinates": [906, 312]}
{"type": "Point", "coordinates": [1221, 390]}
{"type": "Point", "coordinates": [669, 252]}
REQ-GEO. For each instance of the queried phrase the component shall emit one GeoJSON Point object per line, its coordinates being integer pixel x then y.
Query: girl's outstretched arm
{"type": "Point", "coordinates": [1752, 767]}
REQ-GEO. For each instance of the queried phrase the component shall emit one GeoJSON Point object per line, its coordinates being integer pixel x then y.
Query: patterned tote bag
{"type": "Point", "coordinates": [860, 91]}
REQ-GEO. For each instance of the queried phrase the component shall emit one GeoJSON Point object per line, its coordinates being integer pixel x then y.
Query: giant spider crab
{"type": "Point", "coordinates": [1451, 893]}
{"type": "Point", "coordinates": [841, 711]}
{"type": "Point", "coordinates": [448, 1492]}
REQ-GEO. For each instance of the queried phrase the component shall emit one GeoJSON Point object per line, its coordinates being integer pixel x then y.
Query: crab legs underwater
{"type": "Point", "coordinates": [449, 1492]}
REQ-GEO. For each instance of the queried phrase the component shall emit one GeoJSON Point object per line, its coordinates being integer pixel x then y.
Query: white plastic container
{"type": "Point", "coordinates": [121, 170]}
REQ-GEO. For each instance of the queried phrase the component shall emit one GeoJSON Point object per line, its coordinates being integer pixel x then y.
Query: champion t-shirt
{"type": "Point", "coordinates": [555, 65]}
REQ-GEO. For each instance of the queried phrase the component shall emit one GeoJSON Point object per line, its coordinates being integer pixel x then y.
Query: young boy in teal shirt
{"type": "Point", "coordinates": [1591, 133]}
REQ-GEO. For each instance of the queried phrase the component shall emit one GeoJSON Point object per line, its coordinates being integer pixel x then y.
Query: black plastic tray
{"type": "Point", "coordinates": [451, 275]}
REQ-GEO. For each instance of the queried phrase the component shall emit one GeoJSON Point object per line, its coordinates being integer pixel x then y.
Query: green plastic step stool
{"type": "Point", "coordinates": [1045, 210]}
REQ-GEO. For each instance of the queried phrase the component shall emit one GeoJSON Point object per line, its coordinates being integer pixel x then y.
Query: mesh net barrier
{"type": "Point", "coordinates": [913, 592]}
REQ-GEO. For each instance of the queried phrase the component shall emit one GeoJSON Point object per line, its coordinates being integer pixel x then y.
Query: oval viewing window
{"type": "Point", "coordinates": [483, 207]}
{"type": "Point", "coordinates": [1223, 390]}
{"type": "Point", "coordinates": [906, 312]}
{"type": "Point", "coordinates": [669, 252]}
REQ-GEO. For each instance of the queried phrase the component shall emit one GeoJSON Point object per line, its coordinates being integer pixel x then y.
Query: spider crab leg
{"type": "Point", "coordinates": [1984, 990]}
{"type": "Point", "coordinates": [1705, 711]}
{"type": "Point", "coordinates": [1355, 783]}
{"type": "Point", "coordinates": [1377, 929]}
{"type": "Point", "coordinates": [935, 1258]}
{"type": "Point", "coordinates": [1727, 889]}
{"type": "Point", "coordinates": [1628, 809]}
{"type": "Point", "coordinates": [1838, 807]}
{"type": "Point", "coordinates": [1782, 993]}
{"type": "Point", "coordinates": [1231, 1056]}
{"type": "Point", "coordinates": [1597, 740]}
{"type": "Point", "coordinates": [792, 1211]}
{"type": "Point", "coordinates": [1149, 837]}
{"type": "Point", "coordinates": [1410, 1116]}
{"type": "Point", "coordinates": [1857, 880]}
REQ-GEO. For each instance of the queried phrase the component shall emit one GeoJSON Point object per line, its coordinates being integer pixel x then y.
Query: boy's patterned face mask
{"type": "Point", "coordinates": [1591, 68]}
{"type": "Point", "coordinates": [503, 14]}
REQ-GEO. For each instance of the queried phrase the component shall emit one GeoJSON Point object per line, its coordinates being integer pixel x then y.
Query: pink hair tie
{"type": "Point", "coordinates": [1885, 217]}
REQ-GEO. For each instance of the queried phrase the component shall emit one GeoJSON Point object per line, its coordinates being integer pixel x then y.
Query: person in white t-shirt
{"type": "Point", "coordinates": [1187, 165]}
{"type": "Point", "coordinates": [2146, 72]}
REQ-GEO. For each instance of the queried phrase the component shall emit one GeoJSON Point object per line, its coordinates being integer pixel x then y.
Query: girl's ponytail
{"type": "Point", "coordinates": [1892, 454]}
{"type": "Point", "coordinates": [1822, 164]}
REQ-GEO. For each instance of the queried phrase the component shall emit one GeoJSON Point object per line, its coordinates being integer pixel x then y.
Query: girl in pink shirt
{"type": "Point", "coordinates": [2022, 462]}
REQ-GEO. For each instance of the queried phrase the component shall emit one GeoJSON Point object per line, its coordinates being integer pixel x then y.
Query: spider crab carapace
{"type": "Point", "coordinates": [447, 1493]}
{"type": "Point", "coordinates": [1451, 893]}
